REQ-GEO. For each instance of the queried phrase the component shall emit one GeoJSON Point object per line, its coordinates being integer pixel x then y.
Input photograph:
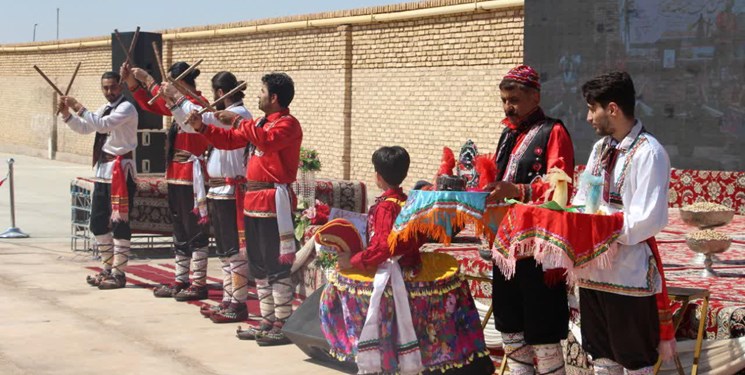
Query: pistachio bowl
{"type": "Point", "coordinates": [706, 219]}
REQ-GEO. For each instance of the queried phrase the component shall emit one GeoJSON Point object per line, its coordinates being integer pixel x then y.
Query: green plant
{"type": "Point", "coordinates": [309, 161]}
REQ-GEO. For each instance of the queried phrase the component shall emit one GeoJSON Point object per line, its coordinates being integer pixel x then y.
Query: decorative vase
{"type": "Point", "coordinates": [307, 187]}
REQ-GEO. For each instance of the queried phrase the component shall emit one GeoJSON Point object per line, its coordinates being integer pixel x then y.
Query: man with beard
{"type": "Point", "coordinates": [115, 125]}
{"type": "Point", "coordinates": [626, 315]}
{"type": "Point", "coordinates": [273, 151]}
{"type": "Point", "coordinates": [530, 309]}
{"type": "Point", "coordinates": [225, 197]}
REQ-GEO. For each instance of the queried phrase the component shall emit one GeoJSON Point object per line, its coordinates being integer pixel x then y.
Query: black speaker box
{"type": "Point", "coordinates": [144, 58]}
{"type": "Point", "coordinates": [303, 328]}
{"type": "Point", "coordinates": [150, 154]}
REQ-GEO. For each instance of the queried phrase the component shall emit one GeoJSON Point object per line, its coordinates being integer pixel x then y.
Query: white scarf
{"type": "Point", "coordinates": [200, 193]}
{"type": "Point", "coordinates": [284, 223]}
{"type": "Point", "coordinates": [368, 358]}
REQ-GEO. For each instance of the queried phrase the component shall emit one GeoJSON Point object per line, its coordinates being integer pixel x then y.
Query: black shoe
{"type": "Point", "coordinates": [192, 293]}
{"type": "Point", "coordinates": [252, 333]}
{"type": "Point", "coordinates": [95, 280]}
{"type": "Point", "coordinates": [273, 338]}
{"type": "Point", "coordinates": [169, 290]}
{"type": "Point", "coordinates": [113, 282]}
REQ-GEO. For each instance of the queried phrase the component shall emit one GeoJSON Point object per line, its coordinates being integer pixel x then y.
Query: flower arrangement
{"type": "Point", "coordinates": [316, 215]}
{"type": "Point", "coordinates": [309, 161]}
{"type": "Point", "coordinates": [326, 259]}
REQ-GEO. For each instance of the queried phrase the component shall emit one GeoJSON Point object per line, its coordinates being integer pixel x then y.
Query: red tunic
{"type": "Point", "coordinates": [275, 160]}
{"type": "Point", "coordinates": [380, 221]}
{"type": "Point", "coordinates": [559, 146]}
{"type": "Point", "coordinates": [176, 173]}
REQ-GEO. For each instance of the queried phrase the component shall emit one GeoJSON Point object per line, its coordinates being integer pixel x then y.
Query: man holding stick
{"type": "Point", "coordinates": [115, 125]}
{"type": "Point", "coordinates": [186, 185]}
{"type": "Point", "coordinates": [273, 150]}
{"type": "Point", "coordinates": [225, 197]}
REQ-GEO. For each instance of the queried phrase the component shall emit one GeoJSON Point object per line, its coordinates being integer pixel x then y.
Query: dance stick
{"type": "Point", "coordinates": [67, 90]}
{"type": "Point", "coordinates": [231, 92]}
{"type": "Point", "coordinates": [49, 81]}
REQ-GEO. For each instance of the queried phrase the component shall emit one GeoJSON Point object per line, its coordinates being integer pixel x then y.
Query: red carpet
{"type": "Point", "coordinates": [163, 274]}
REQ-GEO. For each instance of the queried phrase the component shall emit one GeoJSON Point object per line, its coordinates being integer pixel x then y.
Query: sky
{"type": "Point", "coordinates": [90, 18]}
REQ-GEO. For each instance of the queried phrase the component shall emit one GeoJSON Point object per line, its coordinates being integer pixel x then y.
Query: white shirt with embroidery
{"type": "Point", "coordinates": [120, 124]}
{"type": "Point", "coordinates": [221, 163]}
{"type": "Point", "coordinates": [642, 174]}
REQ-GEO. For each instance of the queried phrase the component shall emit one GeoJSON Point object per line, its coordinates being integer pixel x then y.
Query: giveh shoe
{"type": "Point", "coordinates": [95, 280]}
{"type": "Point", "coordinates": [192, 293]}
{"type": "Point", "coordinates": [208, 310]}
{"type": "Point", "coordinates": [169, 290]}
{"type": "Point", "coordinates": [113, 282]}
{"type": "Point", "coordinates": [234, 313]}
{"type": "Point", "coordinates": [273, 338]}
{"type": "Point", "coordinates": [252, 333]}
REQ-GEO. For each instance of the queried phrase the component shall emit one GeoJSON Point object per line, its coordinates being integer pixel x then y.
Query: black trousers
{"type": "Point", "coordinates": [622, 328]}
{"type": "Point", "coordinates": [188, 234]}
{"type": "Point", "coordinates": [262, 246]}
{"type": "Point", "coordinates": [526, 304]}
{"type": "Point", "coordinates": [100, 222]}
{"type": "Point", "coordinates": [223, 218]}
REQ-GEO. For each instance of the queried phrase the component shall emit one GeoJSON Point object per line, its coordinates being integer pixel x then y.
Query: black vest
{"type": "Point", "coordinates": [533, 161]}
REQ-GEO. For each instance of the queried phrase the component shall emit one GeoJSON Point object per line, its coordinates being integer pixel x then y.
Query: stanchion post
{"type": "Point", "coordinates": [13, 231]}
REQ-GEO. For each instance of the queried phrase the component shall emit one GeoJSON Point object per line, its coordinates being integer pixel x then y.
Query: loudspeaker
{"type": "Point", "coordinates": [150, 153]}
{"type": "Point", "coordinates": [144, 58]}
{"type": "Point", "coordinates": [303, 328]}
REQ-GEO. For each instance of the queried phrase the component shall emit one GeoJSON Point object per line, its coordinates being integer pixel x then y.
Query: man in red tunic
{"type": "Point", "coordinates": [273, 150]}
{"type": "Point", "coordinates": [530, 309]}
{"type": "Point", "coordinates": [185, 176]}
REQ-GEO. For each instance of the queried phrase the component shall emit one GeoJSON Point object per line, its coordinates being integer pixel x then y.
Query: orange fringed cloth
{"type": "Point", "coordinates": [434, 214]}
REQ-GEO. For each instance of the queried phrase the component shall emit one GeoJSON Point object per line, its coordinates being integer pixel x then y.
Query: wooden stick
{"type": "Point", "coordinates": [132, 45]}
{"type": "Point", "coordinates": [186, 91]}
{"type": "Point", "coordinates": [231, 92]}
{"type": "Point", "coordinates": [121, 44]}
{"type": "Point", "coordinates": [49, 81]}
{"type": "Point", "coordinates": [176, 81]}
{"type": "Point", "coordinates": [163, 75]}
{"type": "Point", "coordinates": [67, 90]}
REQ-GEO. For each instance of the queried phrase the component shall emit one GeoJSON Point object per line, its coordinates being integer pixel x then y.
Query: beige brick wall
{"type": "Point", "coordinates": [422, 84]}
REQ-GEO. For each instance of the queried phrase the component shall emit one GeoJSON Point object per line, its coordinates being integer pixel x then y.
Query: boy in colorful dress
{"type": "Point", "coordinates": [401, 331]}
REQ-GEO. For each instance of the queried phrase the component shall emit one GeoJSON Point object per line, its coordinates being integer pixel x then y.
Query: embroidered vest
{"type": "Point", "coordinates": [530, 159]}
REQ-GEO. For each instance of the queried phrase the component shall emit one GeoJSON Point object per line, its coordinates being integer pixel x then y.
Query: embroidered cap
{"type": "Point", "coordinates": [525, 75]}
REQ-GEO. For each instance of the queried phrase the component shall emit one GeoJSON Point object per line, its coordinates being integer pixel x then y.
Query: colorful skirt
{"type": "Point", "coordinates": [445, 318]}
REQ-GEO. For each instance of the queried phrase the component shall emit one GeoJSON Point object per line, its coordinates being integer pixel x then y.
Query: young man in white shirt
{"type": "Point", "coordinates": [625, 310]}
{"type": "Point", "coordinates": [115, 125]}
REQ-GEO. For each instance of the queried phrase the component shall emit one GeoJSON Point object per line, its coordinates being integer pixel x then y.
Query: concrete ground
{"type": "Point", "coordinates": [51, 322]}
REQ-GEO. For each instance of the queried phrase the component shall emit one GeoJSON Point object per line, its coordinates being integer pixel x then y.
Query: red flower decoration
{"type": "Point", "coordinates": [538, 151]}
{"type": "Point", "coordinates": [537, 167]}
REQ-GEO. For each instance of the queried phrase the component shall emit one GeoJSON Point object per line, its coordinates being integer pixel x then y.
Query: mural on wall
{"type": "Point", "coordinates": [687, 59]}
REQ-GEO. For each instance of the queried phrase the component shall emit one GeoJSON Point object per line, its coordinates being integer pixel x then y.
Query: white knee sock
{"type": "Point", "coordinates": [239, 274]}
{"type": "Point", "coordinates": [282, 292]}
{"type": "Point", "coordinates": [519, 354]}
{"type": "Point", "coordinates": [649, 370]}
{"type": "Point", "coordinates": [182, 269]}
{"type": "Point", "coordinates": [105, 247]}
{"type": "Point", "coordinates": [227, 280]}
{"type": "Point", "coordinates": [605, 366]}
{"type": "Point", "coordinates": [549, 359]}
{"type": "Point", "coordinates": [121, 256]}
{"type": "Point", "coordinates": [199, 266]}
{"type": "Point", "coordinates": [266, 300]}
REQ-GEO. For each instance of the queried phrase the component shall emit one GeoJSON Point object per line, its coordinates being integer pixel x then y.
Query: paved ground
{"type": "Point", "coordinates": [51, 322]}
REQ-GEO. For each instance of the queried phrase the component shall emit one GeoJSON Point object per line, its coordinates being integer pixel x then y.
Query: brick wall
{"type": "Point", "coordinates": [422, 84]}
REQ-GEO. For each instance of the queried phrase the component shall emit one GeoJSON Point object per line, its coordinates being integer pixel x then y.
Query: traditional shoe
{"type": "Point", "coordinates": [208, 310]}
{"type": "Point", "coordinates": [95, 280]}
{"type": "Point", "coordinates": [192, 293]}
{"type": "Point", "coordinates": [273, 338]}
{"type": "Point", "coordinates": [234, 313]}
{"type": "Point", "coordinates": [252, 333]}
{"type": "Point", "coordinates": [169, 290]}
{"type": "Point", "coordinates": [113, 282]}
